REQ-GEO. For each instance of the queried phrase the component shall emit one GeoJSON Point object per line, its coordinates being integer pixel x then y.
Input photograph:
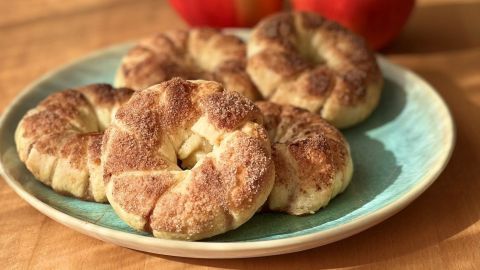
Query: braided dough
{"type": "Point", "coordinates": [306, 61]}
{"type": "Point", "coordinates": [312, 159]}
{"type": "Point", "coordinates": [202, 53]}
{"type": "Point", "coordinates": [59, 140]}
{"type": "Point", "coordinates": [215, 136]}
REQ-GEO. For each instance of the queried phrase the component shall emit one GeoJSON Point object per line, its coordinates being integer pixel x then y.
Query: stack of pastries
{"type": "Point", "coordinates": [203, 130]}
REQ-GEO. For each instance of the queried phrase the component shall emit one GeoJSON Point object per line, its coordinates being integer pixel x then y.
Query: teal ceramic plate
{"type": "Point", "coordinates": [398, 152]}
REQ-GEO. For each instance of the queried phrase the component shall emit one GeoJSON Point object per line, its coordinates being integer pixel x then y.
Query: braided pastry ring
{"type": "Point", "coordinates": [306, 61]}
{"type": "Point", "coordinates": [59, 140]}
{"type": "Point", "coordinates": [312, 159]}
{"type": "Point", "coordinates": [199, 53]}
{"type": "Point", "coordinates": [218, 139]}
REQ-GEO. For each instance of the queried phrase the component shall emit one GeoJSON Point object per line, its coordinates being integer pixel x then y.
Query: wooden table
{"type": "Point", "coordinates": [439, 230]}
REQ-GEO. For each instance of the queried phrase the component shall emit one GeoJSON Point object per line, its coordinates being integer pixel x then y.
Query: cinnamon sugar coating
{"type": "Point", "coordinates": [59, 140]}
{"type": "Point", "coordinates": [200, 53]}
{"type": "Point", "coordinates": [312, 159]}
{"type": "Point", "coordinates": [177, 120]}
{"type": "Point", "coordinates": [304, 60]}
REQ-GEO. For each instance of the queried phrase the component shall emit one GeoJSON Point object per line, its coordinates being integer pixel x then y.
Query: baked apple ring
{"type": "Point", "coordinates": [200, 53]}
{"type": "Point", "coordinates": [187, 160]}
{"type": "Point", "coordinates": [304, 60]}
{"type": "Point", "coordinates": [59, 140]}
{"type": "Point", "coordinates": [312, 159]}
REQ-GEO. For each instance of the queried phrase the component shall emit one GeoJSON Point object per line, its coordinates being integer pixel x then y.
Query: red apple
{"type": "Point", "coordinates": [225, 13]}
{"type": "Point", "coordinates": [378, 21]}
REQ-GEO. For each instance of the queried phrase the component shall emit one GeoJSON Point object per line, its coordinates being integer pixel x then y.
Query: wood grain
{"type": "Point", "coordinates": [440, 230]}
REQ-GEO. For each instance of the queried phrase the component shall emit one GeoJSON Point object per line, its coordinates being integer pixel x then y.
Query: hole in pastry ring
{"type": "Point", "coordinates": [231, 174]}
{"type": "Point", "coordinates": [304, 60]}
{"type": "Point", "coordinates": [59, 140]}
{"type": "Point", "coordinates": [312, 159]}
{"type": "Point", "coordinates": [199, 53]}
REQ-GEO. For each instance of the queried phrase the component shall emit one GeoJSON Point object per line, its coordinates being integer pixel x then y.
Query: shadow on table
{"type": "Point", "coordinates": [366, 185]}
{"type": "Point", "coordinates": [392, 104]}
{"type": "Point", "coordinates": [439, 28]}
{"type": "Point", "coordinates": [446, 208]}
{"type": "Point", "coordinates": [441, 212]}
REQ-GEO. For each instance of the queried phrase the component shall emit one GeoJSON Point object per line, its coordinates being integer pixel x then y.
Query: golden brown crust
{"type": "Point", "coordinates": [309, 154]}
{"type": "Point", "coordinates": [179, 107]}
{"type": "Point", "coordinates": [287, 64]}
{"type": "Point", "coordinates": [141, 117]}
{"type": "Point", "coordinates": [140, 198]}
{"type": "Point", "coordinates": [59, 140]}
{"type": "Point", "coordinates": [220, 192]}
{"type": "Point", "coordinates": [278, 30]}
{"type": "Point", "coordinates": [105, 94]}
{"type": "Point", "coordinates": [284, 48]}
{"type": "Point", "coordinates": [201, 53]}
{"type": "Point", "coordinates": [229, 111]}
{"type": "Point", "coordinates": [54, 114]}
{"type": "Point", "coordinates": [95, 147]}
{"type": "Point", "coordinates": [198, 209]}
{"type": "Point", "coordinates": [128, 153]}
{"type": "Point", "coordinates": [75, 150]}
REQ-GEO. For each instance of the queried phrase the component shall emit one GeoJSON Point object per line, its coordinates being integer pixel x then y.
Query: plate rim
{"type": "Point", "coordinates": [247, 248]}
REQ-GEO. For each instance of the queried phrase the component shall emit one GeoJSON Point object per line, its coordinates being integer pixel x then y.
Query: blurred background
{"type": "Point", "coordinates": [38, 35]}
{"type": "Point", "coordinates": [377, 20]}
{"type": "Point", "coordinates": [64, 30]}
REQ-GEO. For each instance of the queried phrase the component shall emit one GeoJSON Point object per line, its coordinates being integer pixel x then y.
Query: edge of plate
{"type": "Point", "coordinates": [238, 249]}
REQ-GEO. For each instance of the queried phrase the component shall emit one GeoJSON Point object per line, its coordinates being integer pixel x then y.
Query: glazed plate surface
{"type": "Point", "coordinates": [398, 152]}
